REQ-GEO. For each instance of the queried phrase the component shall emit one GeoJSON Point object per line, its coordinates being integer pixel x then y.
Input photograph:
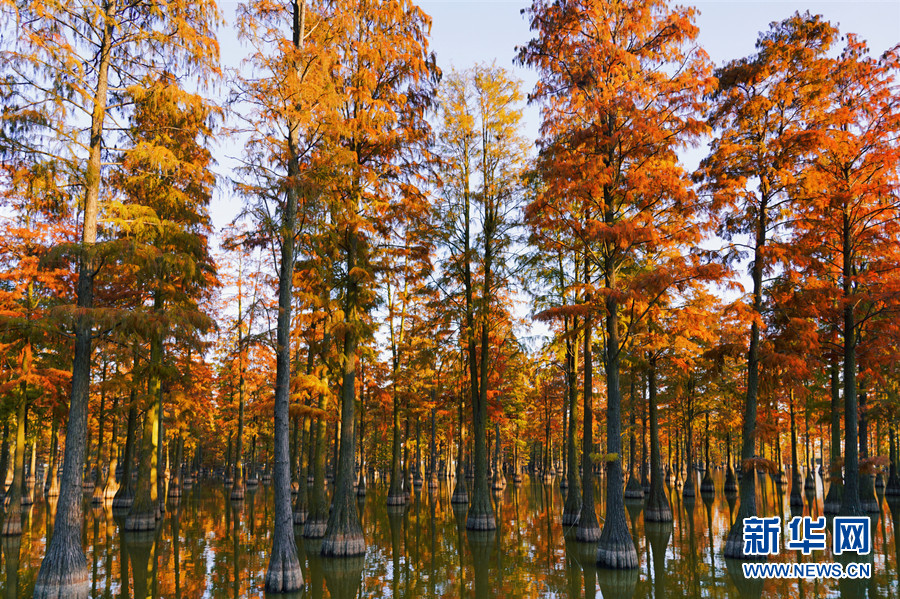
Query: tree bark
{"type": "Point", "coordinates": [284, 574]}
{"type": "Point", "coordinates": [867, 498]}
{"type": "Point", "coordinates": [109, 486]}
{"type": "Point", "coordinates": [734, 545]}
{"type": "Point", "coordinates": [850, 501]}
{"type": "Point", "coordinates": [616, 549]}
{"type": "Point", "coordinates": [572, 507]}
{"type": "Point", "coordinates": [796, 483]}
{"type": "Point", "coordinates": [633, 489]}
{"type": "Point", "coordinates": [12, 518]}
{"type": "Point", "coordinates": [125, 494]}
{"type": "Point", "coordinates": [344, 534]}
{"type": "Point", "coordinates": [658, 508]}
{"type": "Point", "coordinates": [588, 530]}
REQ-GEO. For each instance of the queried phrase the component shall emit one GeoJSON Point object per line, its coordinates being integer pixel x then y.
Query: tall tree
{"type": "Point", "coordinates": [385, 77]}
{"type": "Point", "coordinates": [621, 86]}
{"type": "Point", "coordinates": [759, 115]}
{"type": "Point", "coordinates": [483, 156]}
{"type": "Point", "coordinates": [65, 67]}
{"type": "Point", "coordinates": [849, 214]}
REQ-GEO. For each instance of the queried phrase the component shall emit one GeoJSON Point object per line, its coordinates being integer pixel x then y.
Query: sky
{"type": "Point", "coordinates": [466, 32]}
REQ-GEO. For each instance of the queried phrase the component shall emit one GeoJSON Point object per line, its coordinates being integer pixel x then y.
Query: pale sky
{"type": "Point", "coordinates": [465, 32]}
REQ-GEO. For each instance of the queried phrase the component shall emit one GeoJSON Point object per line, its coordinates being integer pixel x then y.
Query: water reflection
{"type": "Point", "coordinates": [210, 547]}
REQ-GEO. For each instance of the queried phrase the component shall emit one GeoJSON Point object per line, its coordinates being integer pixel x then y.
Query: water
{"type": "Point", "coordinates": [209, 547]}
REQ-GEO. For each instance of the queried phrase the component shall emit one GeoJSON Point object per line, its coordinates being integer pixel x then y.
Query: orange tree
{"type": "Point", "coordinates": [615, 112]}
{"type": "Point", "coordinates": [758, 113]}
{"type": "Point", "coordinates": [848, 216]}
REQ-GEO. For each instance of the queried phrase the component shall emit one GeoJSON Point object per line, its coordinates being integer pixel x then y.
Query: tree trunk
{"type": "Point", "coordinates": [658, 508]}
{"type": "Point", "coordinates": [633, 489]}
{"type": "Point", "coordinates": [867, 498]}
{"type": "Point", "coordinates": [12, 518]}
{"type": "Point", "coordinates": [572, 507]}
{"type": "Point", "coordinates": [836, 482]}
{"type": "Point", "coordinates": [707, 487]}
{"type": "Point", "coordinates": [300, 504]}
{"type": "Point", "coordinates": [125, 494]}
{"type": "Point", "coordinates": [460, 493]}
{"type": "Point", "coordinates": [109, 486]}
{"type": "Point", "coordinates": [588, 530]}
{"type": "Point", "coordinates": [796, 495]}
{"type": "Point", "coordinates": [688, 491]}
{"type": "Point", "coordinates": [344, 534]}
{"type": "Point", "coordinates": [284, 574]}
{"type": "Point", "coordinates": [238, 482]}
{"type": "Point", "coordinates": [645, 466]}
{"type": "Point", "coordinates": [145, 509]}
{"type": "Point", "coordinates": [734, 545]}
{"type": "Point", "coordinates": [850, 497]}
{"type": "Point", "coordinates": [51, 482]}
{"type": "Point", "coordinates": [317, 518]}
{"type": "Point", "coordinates": [395, 495]}
{"type": "Point", "coordinates": [433, 475]}
{"type": "Point", "coordinates": [175, 485]}
{"type": "Point", "coordinates": [481, 511]}
{"type": "Point", "coordinates": [616, 549]}
{"type": "Point", "coordinates": [809, 484]}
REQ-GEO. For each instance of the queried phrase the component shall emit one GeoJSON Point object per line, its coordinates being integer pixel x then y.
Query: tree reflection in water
{"type": "Point", "coordinates": [209, 547]}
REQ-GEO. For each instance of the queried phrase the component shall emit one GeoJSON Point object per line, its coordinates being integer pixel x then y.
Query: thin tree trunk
{"type": "Point", "coordinates": [284, 574]}
{"type": "Point", "coordinates": [588, 530]}
{"type": "Point", "coordinates": [12, 518]}
{"type": "Point", "coordinates": [850, 497]}
{"type": "Point", "coordinates": [125, 494]}
{"type": "Point", "coordinates": [658, 508]}
{"type": "Point", "coordinates": [145, 509]}
{"type": "Point", "coordinates": [344, 534]}
{"type": "Point", "coordinates": [867, 498]}
{"type": "Point", "coordinates": [110, 487]}
{"type": "Point", "coordinates": [734, 545]}
{"type": "Point", "coordinates": [51, 482]}
{"type": "Point", "coordinates": [836, 482]}
{"type": "Point", "coordinates": [572, 507]}
{"type": "Point", "coordinates": [796, 482]}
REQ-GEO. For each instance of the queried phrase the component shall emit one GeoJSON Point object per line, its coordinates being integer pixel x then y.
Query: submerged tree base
{"type": "Point", "coordinates": [63, 575]}
{"type": "Point", "coordinates": [300, 516]}
{"type": "Point", "coordinates": [284, 574]}
{"type": "Point", "coordinates": [833, 498]}
{"type": "Point", "coordinates": [141, 521]}
{"type": "Point", "coordinates": [480, 521]}
{"type": "Point", "coordinates": [351, 544]}
{"type": "Point", "coordinates": [314, 527]}
{"type": "Point", "coordinates": [617, 555]}
{"type": "Point", "coordinates": [399, 499]}
{"type": "Point", "coordinates": [634, 490]}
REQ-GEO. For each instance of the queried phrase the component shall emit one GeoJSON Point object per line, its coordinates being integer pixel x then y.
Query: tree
{"type": "Point", "coordinates": [483, 160]}
{"type": "Point", "coordinates": [759, 116]}
{"type": "Point", "coordinates": [385, 74]}
{"type": "Point", "coordinates": [849, 211]}
{"type": "Point", "coordinates": [621, 87]}
{"type": "Point", "coordinates": [65, 67]}
{"type": "Point", "coordinates": [161, 230]}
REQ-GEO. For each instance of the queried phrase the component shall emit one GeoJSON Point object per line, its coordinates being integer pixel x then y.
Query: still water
{"type": "Point", "coordinates": [207, 546]}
